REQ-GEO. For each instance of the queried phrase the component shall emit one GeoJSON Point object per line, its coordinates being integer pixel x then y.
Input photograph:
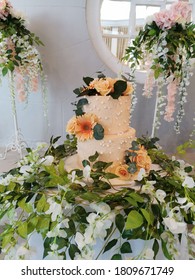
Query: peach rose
{"type": "Point", "coordinates": [143, 160]}
{"type": "Point", "coordinates": [122, 172]}
{"type": "Point", "coordinates": [103, 86]}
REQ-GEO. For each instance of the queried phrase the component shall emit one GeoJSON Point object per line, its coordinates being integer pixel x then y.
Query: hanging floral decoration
{"type": "Point", "coordinates": [19, 58]}
{"type": "Point", "coordinates": [165, 47]}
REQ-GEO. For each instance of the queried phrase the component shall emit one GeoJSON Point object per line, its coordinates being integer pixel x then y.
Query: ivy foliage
{"type": "Point", "coordinates": [41, 196]}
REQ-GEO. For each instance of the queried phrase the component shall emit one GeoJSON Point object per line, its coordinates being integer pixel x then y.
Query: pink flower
{"type": "Point", "coordinates": [181, 11]}
{"type": "Point", "coordinates": [178, 13]}
{"type": "Point", "coordinates": [2, 5]}
{"type": "Point", "coordinates": [164, 19]}
{"type": "Point", "coordinates": [170, 108]}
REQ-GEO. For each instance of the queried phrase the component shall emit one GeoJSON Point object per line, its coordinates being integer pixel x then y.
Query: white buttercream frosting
{"type": "Point", "coordinates": [114, 116]}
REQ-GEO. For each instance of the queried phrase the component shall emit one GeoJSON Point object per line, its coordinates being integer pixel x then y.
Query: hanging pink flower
{"type": "Point", "coordinates": [171, 93]}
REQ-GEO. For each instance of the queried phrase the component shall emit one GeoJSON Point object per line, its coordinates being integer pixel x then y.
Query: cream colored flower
{"type": "Point", "coordinates": [71, 125]}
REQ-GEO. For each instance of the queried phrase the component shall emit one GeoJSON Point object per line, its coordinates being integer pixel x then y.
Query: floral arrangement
{"type": "Point", "coordinates": [19, 58]}
{"type": "Point", "coordinates": [165, 47]}
{"type": "Point", "coordinates": [137, 163]}
{"type": "Point", "coordinates": [70, 212]}
{"type": "Point", "coordinates": [105, 86]}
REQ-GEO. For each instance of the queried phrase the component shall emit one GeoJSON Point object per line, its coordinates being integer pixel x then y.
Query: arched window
{"type": "Point", "coordinates": [121, 20]}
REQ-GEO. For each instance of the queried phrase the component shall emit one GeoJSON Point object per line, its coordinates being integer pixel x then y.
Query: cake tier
{"type": "Point", "coordinates": [111, 149]}
{"type": "Point", "coordinates": [113, 114]}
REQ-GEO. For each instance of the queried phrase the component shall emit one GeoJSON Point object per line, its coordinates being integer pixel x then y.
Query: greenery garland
{"type": "Point", "coordinates": [71, 211]}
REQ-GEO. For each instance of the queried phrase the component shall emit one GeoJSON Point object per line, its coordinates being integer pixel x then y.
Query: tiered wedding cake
{"type": "Point", "coordinates": [102, 125]}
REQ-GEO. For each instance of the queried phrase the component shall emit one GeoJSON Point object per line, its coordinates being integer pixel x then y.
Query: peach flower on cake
{"type": "Point", "coordinates": [71, 125]}
{"type": "Point", "coordinates": [102, 86]}
{"type": "Point", "coordinates": [84, 126]}
{"type": "Point", "coordinates": [122, 172]}
{"type": "Point", "coordinates": [142, 159]}
{"type": "Point", "coordinates": [129, 89]}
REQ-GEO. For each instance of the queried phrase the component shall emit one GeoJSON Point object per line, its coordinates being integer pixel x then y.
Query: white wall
{"type": "Point", "coordinates": [68, 55]}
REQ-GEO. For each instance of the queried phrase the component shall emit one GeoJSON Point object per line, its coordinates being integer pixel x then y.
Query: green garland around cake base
{"type": "Point", "coordinates": [71, 211]}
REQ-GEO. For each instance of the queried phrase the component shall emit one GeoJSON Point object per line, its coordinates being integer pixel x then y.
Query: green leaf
{"type": "Point", "coordinates": [25, 206]}
{"type": "Point", "coordinates": [94, 157]}
{"type": "Point", "coordinates": [7, 239]}
{"type": "Point", "coordinates": [152, 32]}
{"type": "Point", "coordinates": [98, 132]}
{"type": "Point", "coordinates": [2, 188]}
{"type": "Point", "coordinates": [116, 257]}
{"type": "Point", "coordinates": [43, 223]}
{"type": "Point", "coordinates": [155, 248]}
{"type": "Point", "coordinates": [110, 244]}
{"type": "Point", "coordinates": [131, 201]}
{"type": "Point", "coordinates": [165, 250]}
{"type": "Point", "coordinates": [134, 220]}
{"type": "Point", "coordinates": [101, 165]}
{"type": "Point", "coordinates": [109, 176]}
{"type": "Point", "coordinates": [119, 87]}
{"type": "Point", "coordinates": [120, 222]}
{"type": "Point", "coordinates": [90, 196]}
{"type": "Point", "coordinates": [135, 146]}
{"type": "Point", "coordinates": [73, 249]}
{"type": "Point", "coordinates": [87, 80]}
{"type": "Point", "coordinates": [4, 71]}
{"type": "Point", "coordinates": [41, 203]}
{"type": "Point", "coordinates": [77, 91]}
{"type": "Point", "coordinates": [61, 168]}
{"type": "Point", "coordinates": [147, 216]}
{"type": "Point", "coordinates": [22, 229]}
{"type": "Point", "coordinates": [85, 163]}
{"type": "Point", "coordinates": [32, 223]}
{"type": "Point", "coordinates": [137, 197]}
{"type": "Point", "coordinates": [82, 102]}
{"type": "Point", "coordinates": [132, 168]}
{"type": "Point", "coordinates": [126, 248]}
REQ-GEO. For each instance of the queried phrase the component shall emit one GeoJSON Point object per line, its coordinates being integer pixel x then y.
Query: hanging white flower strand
{"type": "Point", "coordinates": [19, 56]}
{"type": "Point", "coordinates": [165, 49]}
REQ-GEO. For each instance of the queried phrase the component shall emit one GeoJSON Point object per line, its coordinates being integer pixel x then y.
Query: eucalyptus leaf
{"type": "Point", "coordinates": [98, 132]}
